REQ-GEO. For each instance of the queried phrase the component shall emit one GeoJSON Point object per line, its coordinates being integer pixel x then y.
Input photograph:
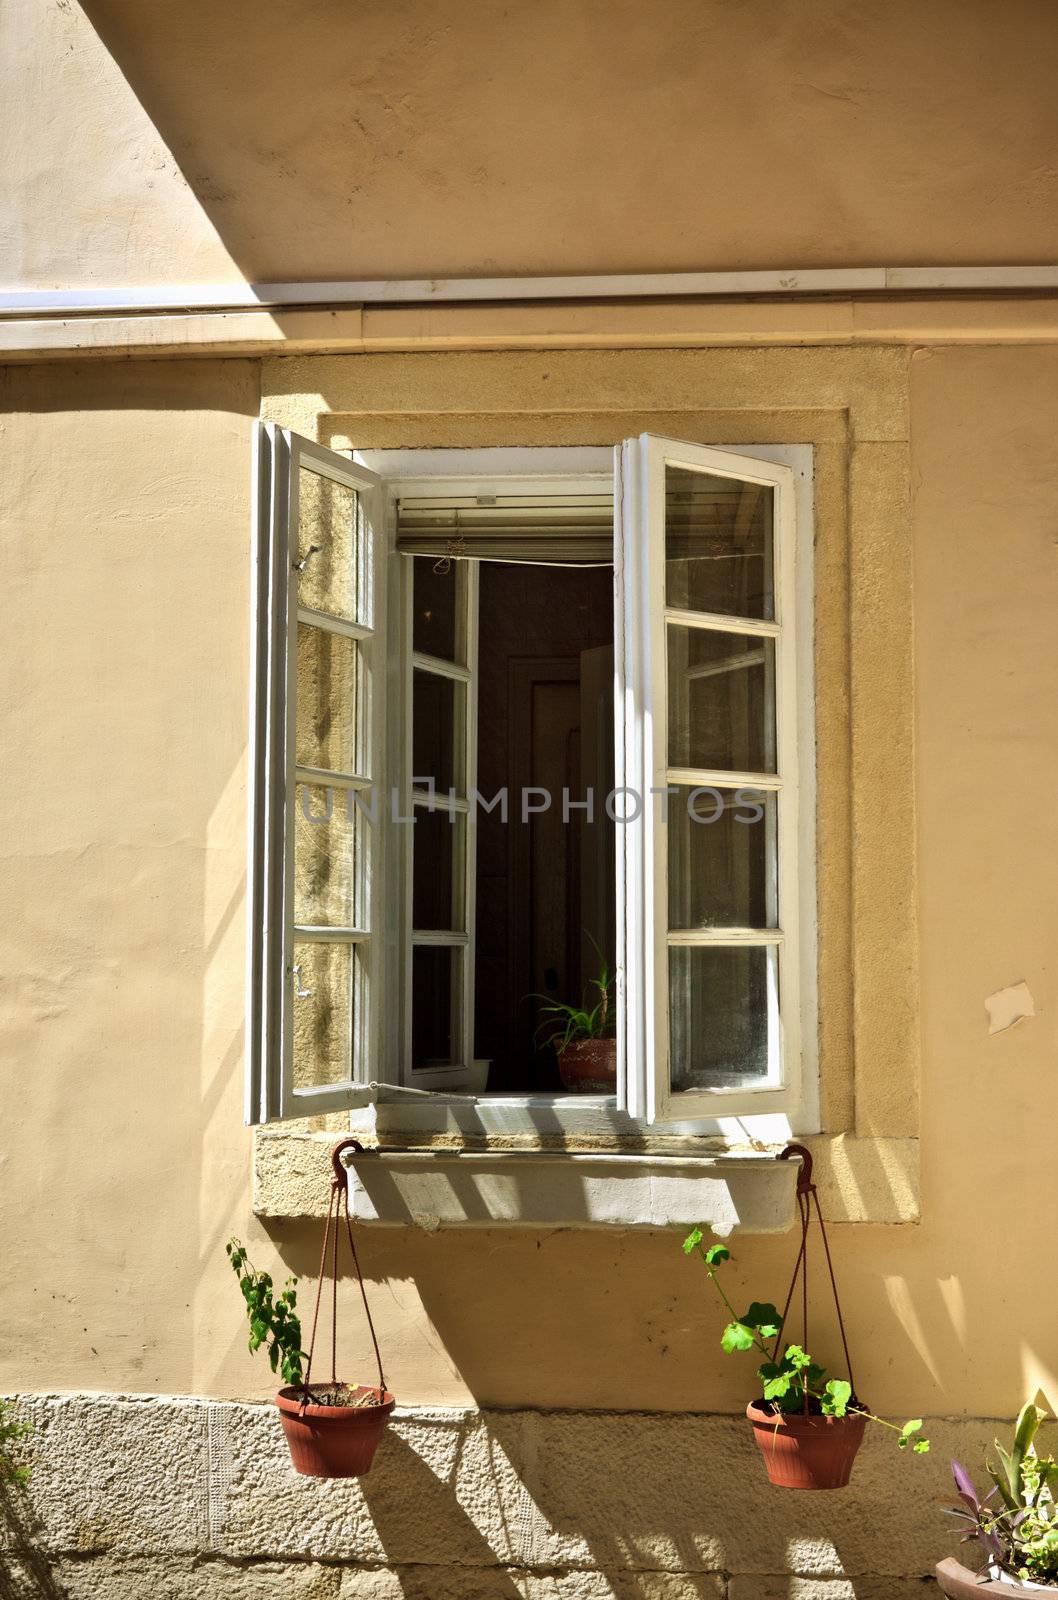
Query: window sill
{"type": "Point", "coordinates": [451, 1185]}
{"type": "Point", "coordinates": [557, 1188]}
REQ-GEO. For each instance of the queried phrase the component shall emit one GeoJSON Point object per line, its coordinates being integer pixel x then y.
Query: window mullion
{"type": "Point", "coordinates": [332, 624]}
{"type": "Point", "coordinates": [441, 669]}
{"type": "Point", "coordinates": [721, 622]}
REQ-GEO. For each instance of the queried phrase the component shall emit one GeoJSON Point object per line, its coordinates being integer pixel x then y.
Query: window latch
{"type": "Point", "coordinates": [302, 994]}
{"type": "Point", "coordinates": [313, 549]}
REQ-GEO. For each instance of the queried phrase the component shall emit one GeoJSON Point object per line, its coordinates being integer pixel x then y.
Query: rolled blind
{"type": "Point", "coordinates": [561, 530]}
{"type": "Point", "coordinates": [710, 522]}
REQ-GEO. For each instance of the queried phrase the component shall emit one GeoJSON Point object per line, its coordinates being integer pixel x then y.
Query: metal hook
{"type": "Point", "coordinates": [804, 1177]}
{"type": "Point", "coordinates": [341, 1171]}
{"type": "Point", "coordinates": [313, 549]}
{"type": "Point", "coordinates": [302, 994]}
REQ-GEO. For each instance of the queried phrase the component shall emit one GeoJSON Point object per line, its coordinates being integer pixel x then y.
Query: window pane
{"type": "Point", "coordinates": [329, 520]}
{"type": "Point", "coordinates": [325, 855]}
{"type": "Point", "coordinates": [438, 842]}
{"type": "Point", "coordinates": [323, 999]}
{"type": "Point", "coordinates": [436, 974]}
{"type": "Point", "coordinates": [721, 700]}
{"type": "Point", "coordinates": [436, 605]}
{"type": "Point", "coordinates": [723, 1017]}
{"type": "Point", "coordinates": [438, 731]}
{"type": "Point", "coordinates": [722, 858]}
{"type": "Point", "coordinates": [718, 544]}
{"type": "Point", "coordinates": [326, 711]}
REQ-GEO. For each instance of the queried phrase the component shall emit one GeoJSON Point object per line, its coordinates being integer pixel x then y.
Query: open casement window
{"type": "Point", "coordinates": [364, 985]}
{"type": "Point", "coordinates": [314, 869]}
{"type": "Point", "coordinates": [707, 741]}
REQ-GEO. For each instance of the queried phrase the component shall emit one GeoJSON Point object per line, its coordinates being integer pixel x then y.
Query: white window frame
{"type": "Point", "coordinates": [643, 880]}
{"type": "Point", "coordinates": [454, 1105]}
{"type": "Point", "coordinates": [274, 774]}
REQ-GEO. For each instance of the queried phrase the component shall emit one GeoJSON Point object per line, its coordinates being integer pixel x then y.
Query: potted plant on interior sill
{"type": "Point", "coordinates": [807, 1427]}
{"type": "Point", "coordinates": [1015, 1523]}
{"type": "Point", "coordinates": [583, 1036]}
{"type": "Point", "coordinates": [333, 1428]}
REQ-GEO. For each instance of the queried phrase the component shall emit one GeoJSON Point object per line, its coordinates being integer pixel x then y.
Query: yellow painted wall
{"type": "Point", "coordinates": [124, 502]}
{"type": "Point", "coordinates": [413, 138]}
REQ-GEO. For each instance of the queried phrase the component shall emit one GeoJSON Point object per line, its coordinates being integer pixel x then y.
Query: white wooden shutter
{"type": "Point", "coordinates": [314, 870]}
{"type": "Point", "coordinates": [706, 706]}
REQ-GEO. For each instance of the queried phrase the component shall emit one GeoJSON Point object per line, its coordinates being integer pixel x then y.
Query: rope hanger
{"type": "Point", "coordinates": [336, 1205]}
{"type": "Point", "coordinates": [807, 1197]}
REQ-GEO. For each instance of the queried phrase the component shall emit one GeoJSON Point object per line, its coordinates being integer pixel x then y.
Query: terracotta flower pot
{"type": "Point", "coordinates": [333, 1441]}
{"type": "Point", "coordinates": [961, 1583]}
{"type": "Point", "coordinates": [589, 1066]}
{"type": "Point", "coordinates": [812, 1452]}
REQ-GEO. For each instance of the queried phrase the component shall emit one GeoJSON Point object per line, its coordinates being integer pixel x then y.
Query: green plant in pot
{"type": "Point", "coordinates": [1014, 1524]}
{"type": "Point", "coordinates": [332, 1428]}
{"type": "Point", "coordinates": [583, 1035]}
{"type": "Point", "coordinates": [808, 1427]}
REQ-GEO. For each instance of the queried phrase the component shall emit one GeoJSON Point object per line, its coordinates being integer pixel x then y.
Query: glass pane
{"type": "Point", "coordinates": [436, 607]}
{"type": "Point", "coordinates": [721, 701]}
{"type": "Point", "coordinates": [438, 731]}
{"type": "Point", "coordinates": [326, 712]}
{"type": "Point", "coordinates": [718, 544]}
{"type": "Point", "coordinates": [437, 880]}
{"type": "Point", "coordinates": [723, 1017]}
{"type": "Point", "coordinates": [722, 856]}
{"type": "Point", "coordinates": [323, 1000]}
{"type": "Point", "coordinates": [325, 854]}
{"type": "Point", "coordinates": [436, 974]}
{"type": "Point", "coordinates": [328, 545]}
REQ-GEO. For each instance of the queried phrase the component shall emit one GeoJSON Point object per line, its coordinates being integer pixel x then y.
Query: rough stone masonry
{"type": "Point", "coordinates": [181, 1499]}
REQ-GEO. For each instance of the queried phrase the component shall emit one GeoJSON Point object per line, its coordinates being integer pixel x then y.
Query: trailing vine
{"type": "Point", "coordinates": [790, 1382]}
{"type": "Point", "coordinates": [272, 1317]}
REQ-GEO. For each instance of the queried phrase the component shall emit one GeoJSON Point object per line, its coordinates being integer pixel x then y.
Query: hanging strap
{"type": "Point", "coordinates": [807, 1197]}
{"type": "Point", "coordinates": [336, 1204]}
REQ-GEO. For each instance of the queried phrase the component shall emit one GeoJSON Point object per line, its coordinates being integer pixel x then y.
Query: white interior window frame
{"type": "Point", "coordinates": [459, 1075]}
{"type": "Point", "coordinates": [456, 1103]}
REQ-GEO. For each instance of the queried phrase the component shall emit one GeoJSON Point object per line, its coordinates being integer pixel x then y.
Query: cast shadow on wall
{"type": "Point", "coordinates": [25, 1572]}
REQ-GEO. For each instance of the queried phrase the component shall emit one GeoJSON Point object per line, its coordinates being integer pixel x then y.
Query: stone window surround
{"type": "Point", "coordinates": [851, 405]}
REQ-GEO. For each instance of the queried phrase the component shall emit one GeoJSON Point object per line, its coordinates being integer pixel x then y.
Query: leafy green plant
{"type": "Point", "coordinates": [1016, 1522]}
{"type": "Point", "coordinates": [272, 1317]}
{"type": "Point", "coordinates": [562, 1024]}
{"type": "Point", "coordinates": [12, 1472]}
{"type": "Point", "coordinates": [792, 1381]}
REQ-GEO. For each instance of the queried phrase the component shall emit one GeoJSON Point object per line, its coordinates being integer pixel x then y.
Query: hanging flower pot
{"type": "Point", "coordinates": [807, 1427]}
{"type": "Point", "coordinates": [813, 1452]}
{"type": "Point", "coordinates": [332, 1428]}
{"type": "Point", "coordinates": [338, 1437]}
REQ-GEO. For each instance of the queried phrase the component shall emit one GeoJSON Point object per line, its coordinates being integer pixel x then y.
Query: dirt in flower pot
{"type": "Point", "coordinates": [343, 1394]}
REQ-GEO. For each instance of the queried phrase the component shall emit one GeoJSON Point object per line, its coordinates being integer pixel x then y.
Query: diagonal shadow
{"type": "Point", "coordinates": [424, 1524]}
{"type": "Point", "coordinates": [25, 1572]}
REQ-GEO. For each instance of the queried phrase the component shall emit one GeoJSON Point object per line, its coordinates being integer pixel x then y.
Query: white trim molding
{"type": "Point", "coordinates": [241, 296]}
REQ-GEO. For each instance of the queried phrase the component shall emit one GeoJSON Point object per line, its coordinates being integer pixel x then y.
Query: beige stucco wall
{"type": "Point", "coordinates": [125, 499]}
{"type": "Point", "coordinates": [204, 143]}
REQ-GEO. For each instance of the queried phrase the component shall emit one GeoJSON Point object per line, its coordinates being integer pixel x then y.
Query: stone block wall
{"type": "Point", "coordinates": [181, 1499]}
